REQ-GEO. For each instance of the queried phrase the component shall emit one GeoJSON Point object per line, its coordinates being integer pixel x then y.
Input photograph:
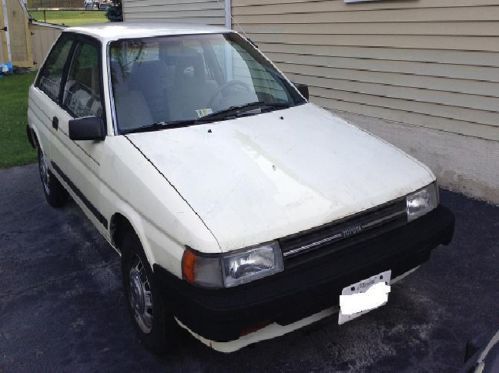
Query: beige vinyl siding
{"type": "Point", "coordinates": [191, 11]}
{"type": "Point", "coordinates": [429, 63]}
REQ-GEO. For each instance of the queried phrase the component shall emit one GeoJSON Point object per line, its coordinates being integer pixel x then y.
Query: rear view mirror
{"type": "Point", "coordinates": [303, 89]}
{"type": "Point", "coordinates": [87, 128]}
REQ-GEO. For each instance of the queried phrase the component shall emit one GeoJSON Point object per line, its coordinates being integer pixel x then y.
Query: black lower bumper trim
{"type": "Point", "coordinates": [221, 314]}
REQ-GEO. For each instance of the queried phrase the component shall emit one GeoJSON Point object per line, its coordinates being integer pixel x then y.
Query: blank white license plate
{"type": "Point", "coordinates": [364, 296]}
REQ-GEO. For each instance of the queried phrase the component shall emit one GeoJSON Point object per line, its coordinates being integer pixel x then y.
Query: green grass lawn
{"type": "Point", "coordinates": [71, 17]}
{"type": "Point", "coordinates": [15, 149]}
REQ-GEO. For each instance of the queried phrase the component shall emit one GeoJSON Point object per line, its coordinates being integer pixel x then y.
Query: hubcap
{"type": "Point", "coordinates": [140, 296]}
{"type": "Point", "coordinates": [44, 172]}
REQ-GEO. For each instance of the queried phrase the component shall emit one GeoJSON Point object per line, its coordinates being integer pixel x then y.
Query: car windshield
{"type": "Point", "coordinates": [171, 81]}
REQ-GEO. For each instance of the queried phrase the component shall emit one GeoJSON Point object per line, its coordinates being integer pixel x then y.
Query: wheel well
{"type": "Point", "coordinates": [118, 227]}
{"type": "Point", "coordinates": [33, 140]}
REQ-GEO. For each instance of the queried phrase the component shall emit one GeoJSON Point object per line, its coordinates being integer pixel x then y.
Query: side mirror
{"type": "Point", "coordinates": [87, 128]}
{"type": "Point", "coordinates": [303, 89]}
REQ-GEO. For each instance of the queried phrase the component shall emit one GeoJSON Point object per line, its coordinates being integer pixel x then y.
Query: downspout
{"type": "Point", "coordinates": [228, 13]}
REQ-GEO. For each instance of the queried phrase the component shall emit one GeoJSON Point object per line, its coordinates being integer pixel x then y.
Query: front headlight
{"type": "Point", "coordinates": [421, 202]}
{"type": "Point", "coordinates": [234, 268]}
{"type": "Point", "coordinates": [252, 264]}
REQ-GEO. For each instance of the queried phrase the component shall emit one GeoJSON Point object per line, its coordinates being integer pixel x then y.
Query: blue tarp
{"type": "Point", "coordinates": [6, 68]}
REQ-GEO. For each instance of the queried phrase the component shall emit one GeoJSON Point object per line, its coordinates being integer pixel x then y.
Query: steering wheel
{"type": "Point", "coordinates": [223, 87]}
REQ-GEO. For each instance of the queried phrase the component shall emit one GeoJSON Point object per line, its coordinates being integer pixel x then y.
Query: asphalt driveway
{"type": "Point", "coordinates": [62, 307]}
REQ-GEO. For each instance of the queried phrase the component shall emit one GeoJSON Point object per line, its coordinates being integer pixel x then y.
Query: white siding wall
{"type": "Point", "coordinates": [429, 63]}
{"type": "Point", "coordinates": [423, 74]}
{"type": "Point", "coordinates": [191, 11]}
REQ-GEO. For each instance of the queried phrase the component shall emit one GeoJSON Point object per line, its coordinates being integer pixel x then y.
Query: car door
{"type": "Point", "coordinates": [45, 95]}
{"type": "Point", "coordinates": [78, 162]}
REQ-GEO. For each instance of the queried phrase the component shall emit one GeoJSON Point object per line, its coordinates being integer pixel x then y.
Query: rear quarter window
{"type": "Point", "coordinates": [49, 80]}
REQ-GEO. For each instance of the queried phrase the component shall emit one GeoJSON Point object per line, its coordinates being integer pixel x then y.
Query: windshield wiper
{"type": "Point", "coordinates": [219, 115]}
{"type": "Point", "coordinates": [156, 126]}
{"type": "Point", "coordinates": [237, 110]}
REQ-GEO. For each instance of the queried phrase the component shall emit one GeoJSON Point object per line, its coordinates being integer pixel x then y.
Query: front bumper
{"type": "Point", "coordinates": [226, 314]}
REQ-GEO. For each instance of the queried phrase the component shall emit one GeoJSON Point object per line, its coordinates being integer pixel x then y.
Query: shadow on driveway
{"type": "Point", "coordinates": [62, 307]}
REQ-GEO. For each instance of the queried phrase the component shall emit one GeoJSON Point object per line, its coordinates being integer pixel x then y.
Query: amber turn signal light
{"type": "Point", "coordinates": [189, 265]}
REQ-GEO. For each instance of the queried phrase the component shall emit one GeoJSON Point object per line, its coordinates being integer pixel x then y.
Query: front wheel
{"type": "Point", "coordinates": [152, 319]}
{"type": "Point", "coordinates": [55, 194]}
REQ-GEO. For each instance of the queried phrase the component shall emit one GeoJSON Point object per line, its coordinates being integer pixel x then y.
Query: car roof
{"type": "Point", "coordinates": [128, 30]}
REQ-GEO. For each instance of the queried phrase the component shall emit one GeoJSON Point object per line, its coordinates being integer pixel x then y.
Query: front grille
{"type": "Point", "coordinates": [335, 236]}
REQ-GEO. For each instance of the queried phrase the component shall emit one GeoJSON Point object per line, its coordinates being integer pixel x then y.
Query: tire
{"type": "Point", "coordinates": [153, 321]}
{"type": "Point", "coordinates": [54, 192]}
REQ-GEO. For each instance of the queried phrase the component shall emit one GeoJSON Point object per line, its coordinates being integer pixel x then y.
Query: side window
{"type": "Point", "coordinates": [82, 91]}
{"type": "Point", "coordinates": [50, 77]}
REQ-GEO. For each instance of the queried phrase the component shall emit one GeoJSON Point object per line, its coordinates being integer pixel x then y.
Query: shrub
{"type": "Point", "coordinates": [115, 12]}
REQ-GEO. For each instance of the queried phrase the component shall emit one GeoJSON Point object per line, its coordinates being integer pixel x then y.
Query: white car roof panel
{"type": "Point", "coordinates": [106, 32]}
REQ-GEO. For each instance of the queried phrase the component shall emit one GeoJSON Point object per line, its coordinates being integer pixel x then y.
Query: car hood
{"type": "Point", "coordinates": [258, 178]}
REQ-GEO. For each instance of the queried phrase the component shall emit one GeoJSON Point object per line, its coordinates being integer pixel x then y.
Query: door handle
{"type": "Point", "coordinates": [55, 123]}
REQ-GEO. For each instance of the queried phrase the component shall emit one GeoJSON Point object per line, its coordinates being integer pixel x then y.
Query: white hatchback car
{"type": "Point", "coordinates": [241, 211]}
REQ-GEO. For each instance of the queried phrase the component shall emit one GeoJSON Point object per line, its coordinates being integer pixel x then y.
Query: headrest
{"type": "Point", "coordinates": [189, 65]}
